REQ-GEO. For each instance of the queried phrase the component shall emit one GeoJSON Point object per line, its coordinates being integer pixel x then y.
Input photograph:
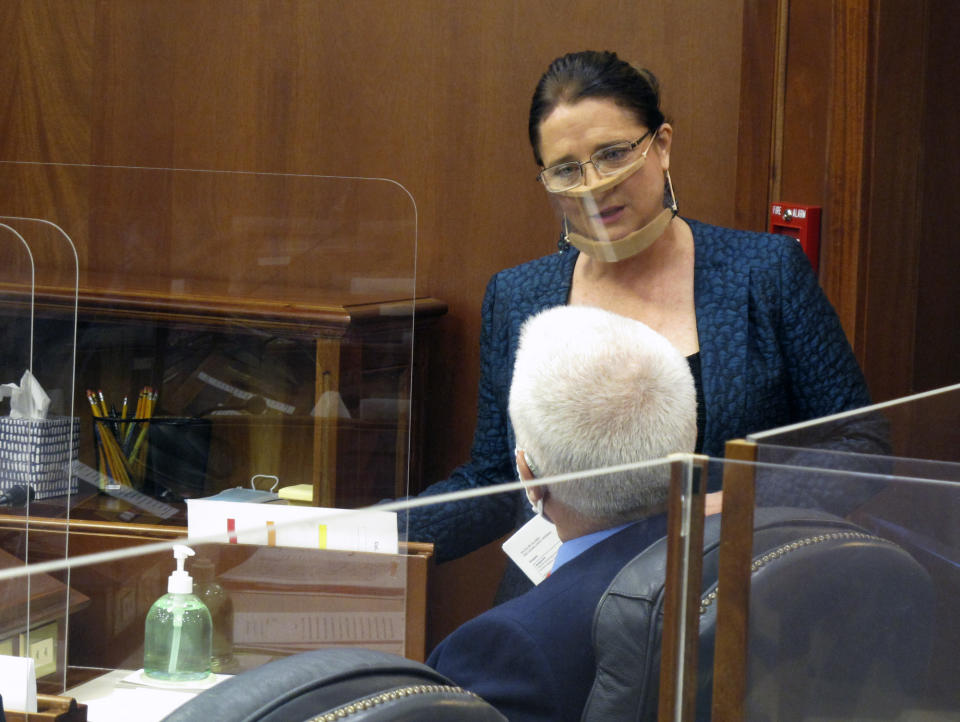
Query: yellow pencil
{"type": "Point", "coordinates": [123, 418]}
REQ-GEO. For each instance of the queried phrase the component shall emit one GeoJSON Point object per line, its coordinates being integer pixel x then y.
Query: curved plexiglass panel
{"type": "Point", "coordinates": [214, 333]}
{"type": "Point", "coordinates": [39, 433]}
{"type": "Point", "coordinates": [266, 318]}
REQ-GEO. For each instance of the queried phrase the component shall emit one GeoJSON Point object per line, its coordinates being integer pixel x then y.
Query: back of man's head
{"type": "Point", "coordinates": [593, 389]}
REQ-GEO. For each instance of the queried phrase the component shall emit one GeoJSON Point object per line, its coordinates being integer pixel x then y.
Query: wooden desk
{"type": "Point", "coordinates": [109, 632]}
{"type": "Point", "coordinates": [207, 343]}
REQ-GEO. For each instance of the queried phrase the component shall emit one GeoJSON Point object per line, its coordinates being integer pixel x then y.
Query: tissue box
{"type": "Point", "coordinates": [39, 452]}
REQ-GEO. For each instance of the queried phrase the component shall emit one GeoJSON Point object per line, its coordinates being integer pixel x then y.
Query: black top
{"type": "Point", "coordinates": [694, 362]}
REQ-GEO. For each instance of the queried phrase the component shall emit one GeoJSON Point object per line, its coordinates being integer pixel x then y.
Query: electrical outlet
{"type": "Point", "coordinates": [43, 654]}
{"type": "Point", "coordinates": [43, 648]}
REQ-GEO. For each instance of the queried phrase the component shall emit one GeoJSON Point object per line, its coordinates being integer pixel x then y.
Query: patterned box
{"type": "Point", "coordinates": [39, 452]}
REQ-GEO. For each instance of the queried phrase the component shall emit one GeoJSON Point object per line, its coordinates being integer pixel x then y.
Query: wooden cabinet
{"type": "Point", "coordinates": [326, 393]}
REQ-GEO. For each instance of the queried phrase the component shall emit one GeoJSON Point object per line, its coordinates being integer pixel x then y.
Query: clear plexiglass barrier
{"type": "Point", "coordinates": [849, 600]}
{"type": "Point", "coordinates": [853, 585]}
{"type": "Point", "coordinates": [920, 434]}
{"type": "Point", "coordinates": [273, 600]}
{"type": "Point", "coordinates": [39, 430]}
{"type": "Point", "coordinates": [201, 334]}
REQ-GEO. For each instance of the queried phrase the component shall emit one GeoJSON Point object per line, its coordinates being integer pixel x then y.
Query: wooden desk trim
{"type": "Point", "coordinates": [733, 568]}
{"type": "Point", "coordinates": [153, 532]}
{"type": "Point", "coordinates": [51, 708]}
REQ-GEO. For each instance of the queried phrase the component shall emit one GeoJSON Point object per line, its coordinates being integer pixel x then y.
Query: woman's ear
{"type": "Point", "coordinates": [662, 143]}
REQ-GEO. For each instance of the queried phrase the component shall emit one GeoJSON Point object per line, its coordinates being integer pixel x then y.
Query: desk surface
{"type": "Point", "coordinates": [108, 697]}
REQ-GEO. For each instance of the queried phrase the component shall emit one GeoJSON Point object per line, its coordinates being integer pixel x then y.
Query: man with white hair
{"type": "Point", "coordinates": [590, 389]}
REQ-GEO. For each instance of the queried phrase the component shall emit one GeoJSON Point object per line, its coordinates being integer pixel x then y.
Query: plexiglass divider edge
{"type": "Point", "coordinates": [235, 329]}
{"type": "Point", "coordinates": [923, 426]}
{"type": "Point", "coordinates": [38, 435]}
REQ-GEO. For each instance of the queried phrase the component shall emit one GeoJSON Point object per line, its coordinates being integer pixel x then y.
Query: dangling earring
{"type": "Point", "coordinates": [563, 245]}
{"type": "Point", "coordinates": [668, 188]}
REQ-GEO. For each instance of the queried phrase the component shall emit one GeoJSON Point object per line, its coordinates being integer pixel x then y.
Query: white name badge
{"type": "Point", "coordinates": [534, 548]}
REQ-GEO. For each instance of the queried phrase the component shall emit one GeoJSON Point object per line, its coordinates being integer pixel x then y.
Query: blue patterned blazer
{"type": "Point", "coordinates": [772, 352]}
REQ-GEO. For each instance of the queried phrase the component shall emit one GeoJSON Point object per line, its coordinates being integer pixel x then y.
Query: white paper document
{"type": "Point", "coordinates": [18, 683]}
{"type": "Point", "coordinates": [294, 526]}
{"type": "Point", "coordinates": [534, 548]}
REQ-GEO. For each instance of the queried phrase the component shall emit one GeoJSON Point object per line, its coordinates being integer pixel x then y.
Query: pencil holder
{"type": "Point", "coordinates": [122, 446]}
{"type": "Point", "coordinates": [177, 460]}
{"type": "Point", "coordinates": [154, 454]}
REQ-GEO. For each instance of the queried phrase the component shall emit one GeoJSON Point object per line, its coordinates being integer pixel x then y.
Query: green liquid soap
{"type": "Point", "coordinates": [178, 631]}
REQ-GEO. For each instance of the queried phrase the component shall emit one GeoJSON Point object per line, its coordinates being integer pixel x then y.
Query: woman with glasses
{"type": "Point", "coordinates": [765, 346]}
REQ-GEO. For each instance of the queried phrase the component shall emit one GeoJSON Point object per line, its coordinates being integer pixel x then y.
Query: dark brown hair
{"type": "Point", "coordinates": [591, 74]}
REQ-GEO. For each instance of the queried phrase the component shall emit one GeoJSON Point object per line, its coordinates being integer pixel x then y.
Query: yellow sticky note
{"type": "Point", "coordinates": [297, 494]}
{"type": "Point", "coordinates": [322, 541]}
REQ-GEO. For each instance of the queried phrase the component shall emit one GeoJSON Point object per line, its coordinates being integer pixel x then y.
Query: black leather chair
{"type": "Point", "coordinates": [356, 685]}
{"type": "Point", "coordinates": [839, 626]}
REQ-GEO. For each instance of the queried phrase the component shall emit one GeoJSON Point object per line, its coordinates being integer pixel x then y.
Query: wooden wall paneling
{"type": "Point", "coordinates": [842, 226]}
{"type": "Point", "coordinates": [937, 345]}
{"type": "Point", "coordinates": [806, 104]}
{"type": "Point", "coordinates": [758, 78]}
{"type": "Point", "coordinates": [888, 337]}
{"type": "Point", "coordinates": [45, 64]}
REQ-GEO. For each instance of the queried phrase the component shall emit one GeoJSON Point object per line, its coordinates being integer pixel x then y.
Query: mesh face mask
{"type": "Point", "coordinates": [633, 243]}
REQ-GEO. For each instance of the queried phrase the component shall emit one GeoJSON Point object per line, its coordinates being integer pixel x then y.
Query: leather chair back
{"type": "Point", "coordinates": [839, 625]}
{"type": "Point", "coordinates": [355, 685]}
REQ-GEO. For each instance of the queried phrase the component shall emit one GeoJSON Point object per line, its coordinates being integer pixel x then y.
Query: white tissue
{"type": "Point", "coordinates": [28, 400]}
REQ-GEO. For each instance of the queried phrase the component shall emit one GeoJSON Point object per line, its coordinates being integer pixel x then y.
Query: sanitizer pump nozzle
{"type": "Point", "coordinates": [180, 582]}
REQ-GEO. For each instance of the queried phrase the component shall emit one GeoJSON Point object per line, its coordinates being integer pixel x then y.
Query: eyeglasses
{"type": "Point", "coordinates": [607, 161]}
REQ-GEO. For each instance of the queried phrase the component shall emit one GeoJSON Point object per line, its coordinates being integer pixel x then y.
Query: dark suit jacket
{"type": "Point", "coordinates": [772, 353]}
{"type": "Point", "coordinates": [532, 657]}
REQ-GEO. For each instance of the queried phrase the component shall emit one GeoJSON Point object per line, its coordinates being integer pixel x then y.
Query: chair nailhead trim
{"type": "Point", "coordinates": [383, 697]}
{"type": "Point", "coordinates": [711, 597]}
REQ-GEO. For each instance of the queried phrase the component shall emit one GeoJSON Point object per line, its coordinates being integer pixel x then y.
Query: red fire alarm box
{"type": "Point", "coordinates": [802, 223]}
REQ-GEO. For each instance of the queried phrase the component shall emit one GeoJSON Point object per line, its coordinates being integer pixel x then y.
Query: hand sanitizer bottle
{"type": "Point", "coordinates": [177, 633]}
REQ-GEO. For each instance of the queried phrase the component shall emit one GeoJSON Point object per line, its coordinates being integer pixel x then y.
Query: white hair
{"type": "Point", "coordinates": [593, 389]}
